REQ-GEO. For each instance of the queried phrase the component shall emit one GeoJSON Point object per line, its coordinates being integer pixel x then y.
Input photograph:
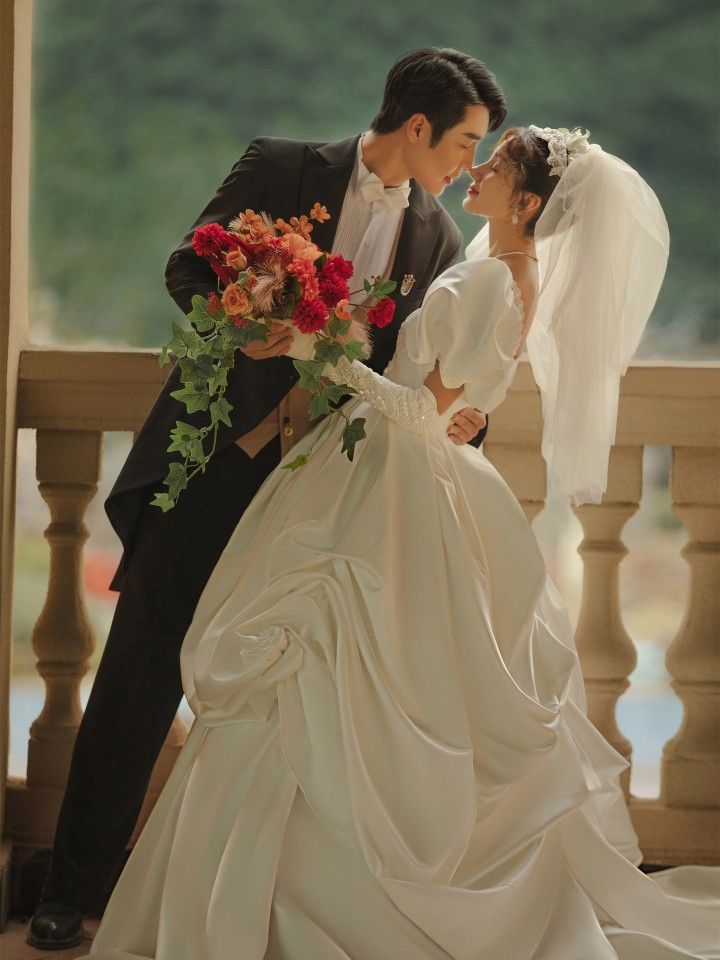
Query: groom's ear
{"type": "Point", "coordinates": [416, 125]}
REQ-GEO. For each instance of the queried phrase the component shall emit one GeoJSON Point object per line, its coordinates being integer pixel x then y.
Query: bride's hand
{"type": "Point", "coordinates": [465, 425]}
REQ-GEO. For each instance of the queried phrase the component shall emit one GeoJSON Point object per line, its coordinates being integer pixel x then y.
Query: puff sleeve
{"type": "Point", "coordinates": [471, 322]}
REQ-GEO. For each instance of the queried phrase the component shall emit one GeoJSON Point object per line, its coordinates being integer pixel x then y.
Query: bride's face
{"type": "Point", "coordinates": [491, 192]}
{"type": "Point", "coordinates": [436, 167]}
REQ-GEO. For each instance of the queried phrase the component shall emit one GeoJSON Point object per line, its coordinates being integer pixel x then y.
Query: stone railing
{"type": "Point", "coordinates": [71, 397]}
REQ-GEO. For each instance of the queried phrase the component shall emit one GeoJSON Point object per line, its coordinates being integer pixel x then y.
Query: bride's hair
{"type": "Point", "coordinates": [441, 83]}
{"type": "Point", "coordinates": [524, 156]}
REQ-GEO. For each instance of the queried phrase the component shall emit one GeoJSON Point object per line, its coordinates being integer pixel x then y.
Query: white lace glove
{"type": "Point", "coordinates": [412, 408]}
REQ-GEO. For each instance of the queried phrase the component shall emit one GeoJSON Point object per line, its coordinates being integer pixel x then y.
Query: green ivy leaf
{"type": "Point", "coordinates": [164, 501]}
{"type": "Point", "coordinates": [164, 357]}
{"type": "Point", "coordinates": [197, 453]}
{"type": "Point", "coordinates": [242, 336]}
{"type": "Point", "coordinates": [310, 372]}
{"type": "Point", "coordinates": [298, 462]}
{"type": "Point", "coordinates": [192, 398]}
{"type": "Point", "coordinates": [199, 316]}
{"type": "Point", "coordinates": [218, 381]}
{"type": "Point", "coordinates": [353, 432]}
{"type": "Point", "coordinates": [328, 351]}
{"type": "Point", "coordinates": [219, 410]}
{"type": "Point", "coordinates": [177, 479]}
{"type": "Point", "coordinates": [182, 429]}
{"type": "Point", "coordinates": [337, 326]}
{"type": "Point", "coordinates": [354, 350]}
{"type": "Point", "coordinates": [180, 445]}
{"type": "Point", "coordinates": [336, 391]}
{"type": "Point", "coordinates": [384, 287]}
{"type": "Point", "coordinates": [180, 340]}
{"type": "Point", "coordinates": [319, 405]}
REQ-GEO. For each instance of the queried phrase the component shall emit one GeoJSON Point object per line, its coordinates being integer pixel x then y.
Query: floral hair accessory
{"type": "Point", "coordinates": [563, 144]}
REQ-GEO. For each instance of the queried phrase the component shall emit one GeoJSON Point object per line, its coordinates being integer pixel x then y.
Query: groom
{"type": "Point", "coordinates": [380, 190]}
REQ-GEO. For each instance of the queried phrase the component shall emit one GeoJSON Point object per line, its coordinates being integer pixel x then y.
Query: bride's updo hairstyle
{"type": "Point", "coordinates": [524, 157]}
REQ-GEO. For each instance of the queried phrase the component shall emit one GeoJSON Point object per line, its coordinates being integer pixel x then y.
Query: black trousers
{"type": "Point", "coordinates": [137, 689]}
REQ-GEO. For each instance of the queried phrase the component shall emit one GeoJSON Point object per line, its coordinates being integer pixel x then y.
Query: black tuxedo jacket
{"type": "Point", "coordinates": [283, 178]}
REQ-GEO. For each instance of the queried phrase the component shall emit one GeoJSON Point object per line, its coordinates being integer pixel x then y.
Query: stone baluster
{"type": "Point", "coordinates": [691, 760]}
{"type": "Point", "coordinates": [607, 654]}
{"type": "Point", "coordinates": [68, 469]}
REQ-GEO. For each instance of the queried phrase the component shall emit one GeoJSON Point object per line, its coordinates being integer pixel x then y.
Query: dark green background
{"type": "Point", "coordinates": [141, 108]}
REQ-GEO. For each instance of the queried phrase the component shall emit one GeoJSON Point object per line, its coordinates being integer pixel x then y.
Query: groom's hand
{"type": "Point", "coordinates": [466, 424]}
{"type": "Point", "coordinates": [279, 341]}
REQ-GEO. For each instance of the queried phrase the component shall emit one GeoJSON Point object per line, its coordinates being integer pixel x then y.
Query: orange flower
{"type": "Point", "coordinates": [299, 248]}
{"type": "Point", "coordinates": [257, 225]}
{"type": "Point", "coordinates": [319, 213]}
{"type": "Point", "coordinates": [342, 309]}
{"type": "Point", "coordinates": [236, 259]}
{"type": "Point", "coordinates": [301, 226]}
{"type": "Point", "coordinates": [235, 301]}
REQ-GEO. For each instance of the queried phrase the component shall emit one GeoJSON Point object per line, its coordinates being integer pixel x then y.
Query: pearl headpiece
{"type": "Point", "coordinates": [563, 144]}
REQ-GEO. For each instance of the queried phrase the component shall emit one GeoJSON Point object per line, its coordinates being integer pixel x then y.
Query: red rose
{"type": "Point", "coordinates": [382, 313]}
{"type": "Point", "coordinates": [310, 315]}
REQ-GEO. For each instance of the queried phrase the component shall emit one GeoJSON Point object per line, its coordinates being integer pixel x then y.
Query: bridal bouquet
{"type": "Point", "coordinates": [267, 272]}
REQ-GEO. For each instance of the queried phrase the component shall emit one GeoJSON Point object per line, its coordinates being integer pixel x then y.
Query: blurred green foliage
{"type": "Point", "coordinates": [141, 108]}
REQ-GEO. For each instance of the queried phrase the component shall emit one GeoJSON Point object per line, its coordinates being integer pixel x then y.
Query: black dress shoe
{"type": "Point", "coordinates": [55, 926]}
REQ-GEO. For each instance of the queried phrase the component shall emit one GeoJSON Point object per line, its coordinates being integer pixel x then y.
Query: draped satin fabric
{"type": "Point", "coordinates": [391, 758]}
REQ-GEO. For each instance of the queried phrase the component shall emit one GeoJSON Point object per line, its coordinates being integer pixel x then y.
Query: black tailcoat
{"type": "Point", "coordinates": [283, 178]}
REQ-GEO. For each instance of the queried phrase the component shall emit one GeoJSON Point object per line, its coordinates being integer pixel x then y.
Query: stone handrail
{"type": "Point", "coordinates": [70, 397]}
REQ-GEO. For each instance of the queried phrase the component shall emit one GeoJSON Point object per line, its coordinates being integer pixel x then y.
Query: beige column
{"type": "Point", "coordinates": [691, 760]}
{"type": "Point", "coordinates": [68, 470]}
{"type": "Point", "coordinates": [606, 652]}
{"type": "Point", "coordinates": [15, 47]}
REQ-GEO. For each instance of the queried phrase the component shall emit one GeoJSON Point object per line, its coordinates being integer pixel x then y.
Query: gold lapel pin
{"type": "Point", "coordinates": [407, 284]}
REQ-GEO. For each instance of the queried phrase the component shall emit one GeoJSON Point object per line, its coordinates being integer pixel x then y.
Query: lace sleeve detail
{"type": "Point", "coordinates": [412, 408]}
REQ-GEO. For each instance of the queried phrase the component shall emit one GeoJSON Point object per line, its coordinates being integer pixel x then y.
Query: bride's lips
{"type": "Point", "coordinates": [473, 191]}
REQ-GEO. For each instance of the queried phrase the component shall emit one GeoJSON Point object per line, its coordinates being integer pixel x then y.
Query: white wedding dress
{"type": "Point", "coordinates": [391, 758]}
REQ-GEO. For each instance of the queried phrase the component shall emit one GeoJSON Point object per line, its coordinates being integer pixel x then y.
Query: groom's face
{"type": "Point", "coordinates": [435, 167]}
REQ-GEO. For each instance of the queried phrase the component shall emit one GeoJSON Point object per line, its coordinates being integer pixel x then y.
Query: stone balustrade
{"type": "Point", "coordinates": [70, 397]}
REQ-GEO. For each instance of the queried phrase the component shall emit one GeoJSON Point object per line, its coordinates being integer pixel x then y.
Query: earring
{"type": "Point", "coordinates": [514, 219]}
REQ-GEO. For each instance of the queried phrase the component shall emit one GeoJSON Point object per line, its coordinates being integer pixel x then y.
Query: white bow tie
{"type": "Point", "coordinates": [380, 197]}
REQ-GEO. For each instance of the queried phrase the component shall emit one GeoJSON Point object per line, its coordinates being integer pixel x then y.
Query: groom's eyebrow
{"type": "Point", "coordinates": [472, 136]}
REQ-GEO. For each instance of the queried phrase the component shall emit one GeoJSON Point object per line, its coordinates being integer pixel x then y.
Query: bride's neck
{"type": "Point", "coordinates": [382, 156]}
{"type": "Point", "coordinates": [505, 238]}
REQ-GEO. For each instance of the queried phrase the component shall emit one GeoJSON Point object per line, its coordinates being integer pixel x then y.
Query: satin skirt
{"type": "Point", "coordinates": [391, 757]}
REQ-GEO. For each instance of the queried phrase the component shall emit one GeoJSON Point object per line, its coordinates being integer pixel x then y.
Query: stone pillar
{"type": "Point", "coordinates": [691, 760]}
{"type": "Point", "coordinates": [607, 654]}
{"type": "Point", "coordinates": [15, 69]}
{"type": "Point", "coordinates": [68, 469]}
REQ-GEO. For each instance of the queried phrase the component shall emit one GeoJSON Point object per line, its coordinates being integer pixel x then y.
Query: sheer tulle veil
{"type": "Point", "coordinates": [602, 245]}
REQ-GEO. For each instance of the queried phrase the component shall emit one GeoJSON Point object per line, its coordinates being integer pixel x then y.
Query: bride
{"type": "Point", "coordinates": [391, 758]}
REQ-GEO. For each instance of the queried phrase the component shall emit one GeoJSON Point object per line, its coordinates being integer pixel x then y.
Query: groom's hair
{"type": "Point", "coordinates": [441, 83]}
